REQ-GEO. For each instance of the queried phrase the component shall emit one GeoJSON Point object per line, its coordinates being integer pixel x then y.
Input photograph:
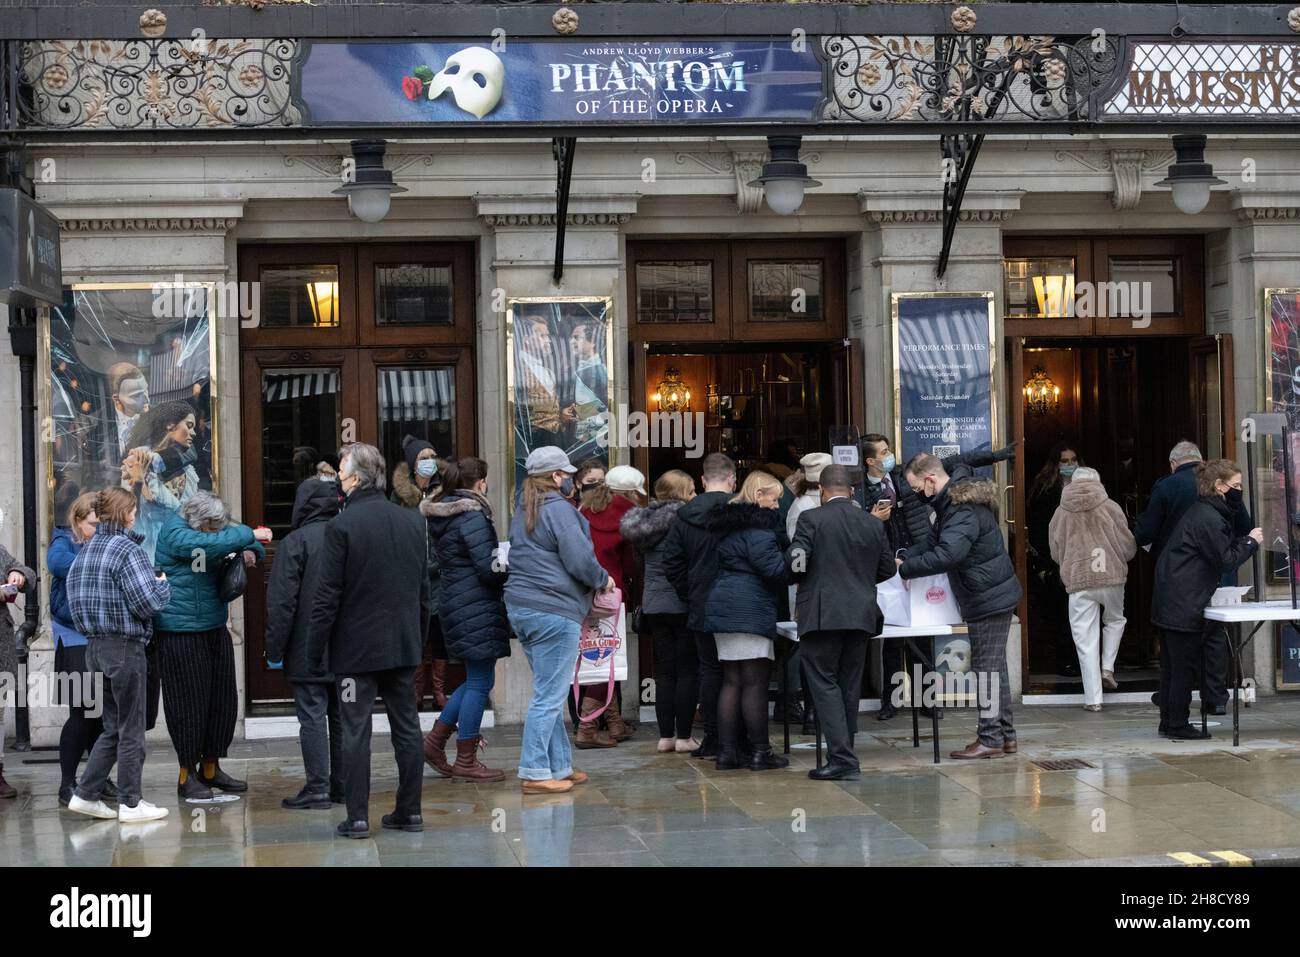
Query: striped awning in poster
{"type": "Point", "coordinates": [280, 387]}
{"type": "Point", "coordinates": [417, 395]}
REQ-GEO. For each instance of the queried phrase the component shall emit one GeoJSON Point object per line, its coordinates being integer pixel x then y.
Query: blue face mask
{"type": "Point", "coordinates": [1068, 470]}
{"type": "Point", "coordinates": [566, 487]}
{"type": "Point", "coordinates": [889, 462]}
{"type": "Point", "coordinates": [427, 468]}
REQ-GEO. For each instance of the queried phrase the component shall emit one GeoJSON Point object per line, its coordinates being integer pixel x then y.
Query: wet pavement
{"type": "Point", "coordinates": [1143, 800]}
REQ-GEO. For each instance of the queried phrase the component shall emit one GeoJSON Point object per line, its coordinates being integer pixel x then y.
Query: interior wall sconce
{"type": "Point", "coordinates": [1042, 395]}
{"type": "Point", "coordinates": [672, 394]}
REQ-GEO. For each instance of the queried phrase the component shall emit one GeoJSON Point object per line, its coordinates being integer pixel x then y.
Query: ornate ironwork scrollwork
{"type": "Point", "coordinates": [156, 84]}
{"type": "Point", "coordinates": [973, 78]}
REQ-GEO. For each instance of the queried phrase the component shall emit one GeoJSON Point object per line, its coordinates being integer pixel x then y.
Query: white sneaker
{"type": "Point", "coordinates": [91, 808]}
{"type": "Point", "coordinates": [144, 811]}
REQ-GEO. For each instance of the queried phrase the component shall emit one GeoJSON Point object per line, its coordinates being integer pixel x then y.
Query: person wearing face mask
{"type": "Point", "coordinates": [548, 594]}
{"type": "Point", "coordinates": [969, 548]}
{"type": "Point", "coordinates": [1046, 591]}
{"type": "Point", "coordinates": [907, 518]}
{"type": "Point", "coordinates": [589, 477]}
{"type": "Point", "coordinates": [417, 479]}
{"type": "Point", "coordinates": [1201, 549]}
{"type": "Point", "coordinates": [371, 610]}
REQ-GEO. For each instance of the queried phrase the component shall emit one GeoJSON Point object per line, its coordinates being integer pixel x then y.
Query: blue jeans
{"type": "Point", "coordinates": [465, 706]}
{"type": "Point", "coordinates": [551, 644]}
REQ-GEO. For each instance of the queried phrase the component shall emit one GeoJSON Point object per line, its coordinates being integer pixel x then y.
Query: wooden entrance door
{"type": "Point", "coordinates": [356, 343]}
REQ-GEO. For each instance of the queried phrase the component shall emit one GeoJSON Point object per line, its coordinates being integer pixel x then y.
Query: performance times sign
{"type": "Point", "coordinates": [943, 379]}
{"type": "Point", "coordinates": [520, 82]}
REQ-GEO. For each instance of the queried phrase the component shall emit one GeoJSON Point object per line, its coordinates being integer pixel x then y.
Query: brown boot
{"type": "Point", "coordinates": [435, 747]}
{"type": "Point", "coordinates": [6, 790]}
{"type": "Point", "coordinates": [438, 682]}
{"type": "Point", "coordinates": [618, 728]}
{"type": "Point", "coordinates": [589, 736]}
{"type": "Point", "coordinates": [468, 767]}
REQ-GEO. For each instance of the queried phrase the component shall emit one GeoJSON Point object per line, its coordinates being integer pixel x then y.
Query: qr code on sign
{"type": "Point", "coordinates": [943, 451]}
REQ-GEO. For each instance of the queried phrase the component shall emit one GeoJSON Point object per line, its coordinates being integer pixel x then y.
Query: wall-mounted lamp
{"type": "Point", "coordinates": [1190, 177]}
{"type": "Point", "coordinates": [671, 394]}
{"type": "Point", "coordinates": [783, 177]}
{"type": "Point", "coordinates": [1042, 395]}
{"type": "Point", "coordinates": [370, 190]}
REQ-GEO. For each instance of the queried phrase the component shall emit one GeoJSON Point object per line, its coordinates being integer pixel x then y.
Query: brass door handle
{"type": "Point", "coordinates": [1010, 503]}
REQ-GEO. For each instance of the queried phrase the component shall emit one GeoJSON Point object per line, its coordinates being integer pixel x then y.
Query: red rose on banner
{"type": "Point", "coordinates": [412, 86]}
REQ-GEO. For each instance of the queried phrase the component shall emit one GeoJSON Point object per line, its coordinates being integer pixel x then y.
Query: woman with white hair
{"type": "Point", "coordinates": [195, 654]}
{"type": "Point", "coordinates": [1090, 540]}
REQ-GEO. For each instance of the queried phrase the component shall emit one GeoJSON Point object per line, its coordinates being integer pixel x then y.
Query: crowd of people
{"type": "Point", "coordinates": [374, 593]}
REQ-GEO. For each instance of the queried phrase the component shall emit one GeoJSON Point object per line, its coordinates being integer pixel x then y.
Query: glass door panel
{"type": "Point", "coordinates": [302, 417]}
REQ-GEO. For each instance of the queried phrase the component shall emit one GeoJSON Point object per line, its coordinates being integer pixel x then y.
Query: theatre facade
{"type": "Point", "coordinates": [1018, 276]}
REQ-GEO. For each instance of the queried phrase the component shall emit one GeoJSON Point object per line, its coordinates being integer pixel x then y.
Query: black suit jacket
{"type": "Point", "coordinates": [839, 553]}
{"type": "Point", "coordinates": [372, 597]}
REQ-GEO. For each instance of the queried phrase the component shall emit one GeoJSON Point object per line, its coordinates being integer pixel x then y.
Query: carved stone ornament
{"type": "Point", "coordinates": [153, 23]}
{"type": "Point", "coordinates": [1257, 214]}
{"type": "Point", "coordinates": [565, 21]}
{"type": "Point", "coordinates": [495, 220]}
{"type": "Point", "coordinates": [1293, 19]}
{"type": "Point", "coordinates": [927, 216]}
{"type": "Point", "coordinates": [1127, 166]}
{"type": "Point", "coordinates": [745, 165]}
{"type": "Point", "coordinates": [963, 19]}
{"type": "Point", "coordinates": [178, 224]}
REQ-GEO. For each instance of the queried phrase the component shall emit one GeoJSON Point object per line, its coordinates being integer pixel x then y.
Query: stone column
{"type": "Point", "coordinates": [898, 252]}
{"type": "Point", "coordinates": [1261, 251]}
{"type": "Point", "coordinates": [517, 261]}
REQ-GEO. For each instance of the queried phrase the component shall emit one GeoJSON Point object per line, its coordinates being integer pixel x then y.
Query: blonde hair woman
{"type": "Point", "coordinates": [742, 612]}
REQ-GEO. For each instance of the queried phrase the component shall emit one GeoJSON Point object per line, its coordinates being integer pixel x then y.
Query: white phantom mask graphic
{"type": "Point", "coordinates": [475, 76]}
{"type": "Point", "coordinates": [954, 658]}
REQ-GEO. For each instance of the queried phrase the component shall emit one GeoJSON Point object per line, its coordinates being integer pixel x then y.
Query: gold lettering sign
{"type": "Point", "coordinates": [1254, 79]}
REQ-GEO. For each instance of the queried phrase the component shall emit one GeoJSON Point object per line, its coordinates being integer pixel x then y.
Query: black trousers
{"type": "Point", "coordinates": [199, 693]}
{"type": "Point", "coordinates": [710, 680]}
{"type": "Point", "coordinates": [1216, 665]}
{"type": "Point", "coordinates": [1182, 650]}
{"type": "Point", "coordinates": [357, 695]}
{"type": "Point", "coordinates": [677, 677]}
{"type": "Point", "coordinates": [834, 662]}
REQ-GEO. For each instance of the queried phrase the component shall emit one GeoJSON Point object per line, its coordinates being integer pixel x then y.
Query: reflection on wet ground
{"type": "Point", "coordinates": [1143, 797]}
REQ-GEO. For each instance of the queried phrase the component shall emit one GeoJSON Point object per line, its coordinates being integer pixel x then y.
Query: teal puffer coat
{"type": "Point", "coordinates": [194, 604]}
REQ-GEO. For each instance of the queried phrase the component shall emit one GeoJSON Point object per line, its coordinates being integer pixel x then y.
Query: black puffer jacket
{"type": "Point", "coordinates": [750, 587]}
{"type": "Point", "coordinates": [473, 616]}
{"type": "Point", "coordinates": [295, 576]}
{"type": "Point", "coordinates": [909, 527]}
{"type": "Point", "coordinates": [690, 559]}
{"type": "Point", "coordinates": [646, 528]}
{"type": "Point", "coordinates": [1200, 550]}
{"type": "Point", "coordinates": [969, 548]}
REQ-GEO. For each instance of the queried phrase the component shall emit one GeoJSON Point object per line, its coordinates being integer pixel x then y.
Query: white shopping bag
{"type": "Point", "coordinates": [918, 603]}
{"type": "Point", "coordinates": [932, 602]}
{"type": "Point", "coordinates": [894, 602]}
{"type": "Point", "coordinates": [603, 646]}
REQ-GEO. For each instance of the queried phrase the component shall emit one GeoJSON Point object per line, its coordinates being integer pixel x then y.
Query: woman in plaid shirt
{"type": "Point", "coordinates": [113, 596]}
